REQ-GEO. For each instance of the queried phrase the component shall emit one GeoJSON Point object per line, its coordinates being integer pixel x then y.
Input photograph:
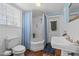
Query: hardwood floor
{"type": "Point", "coordinates": [37, 53]}
{"type": "Point", "coordinates": [42, 53]}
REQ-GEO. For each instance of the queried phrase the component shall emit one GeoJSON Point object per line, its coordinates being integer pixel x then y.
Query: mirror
{"type": "Point", "coordinates": [73, 12]}
{"type": "Point", "coordinates": [53, 25]}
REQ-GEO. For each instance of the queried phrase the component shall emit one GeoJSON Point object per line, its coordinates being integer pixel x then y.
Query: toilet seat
{"type": "Point", "coordinates": [18, 49]}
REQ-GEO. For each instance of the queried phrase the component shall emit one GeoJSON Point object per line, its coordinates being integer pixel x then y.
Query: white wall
{"type": "Point", "coordinates": [37, 28]}
{"type": "Point", "coordinates": [2, 37]}
{"type": "Point", "coordinates": [8, 32]}
{"type": "Point", "coordinates": [10, 24]}
{"type": "Point", "coordinates": [72, 29]}
{"type": "Point", "coordinates": [60, 26]}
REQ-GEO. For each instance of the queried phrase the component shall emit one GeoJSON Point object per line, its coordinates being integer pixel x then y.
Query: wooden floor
{"type": "Point", "coordinates": [56, 52]}
{"type": "Point", "coordinates": [42, 53]}
{"type": "Point", "coordinates": [37, 53]}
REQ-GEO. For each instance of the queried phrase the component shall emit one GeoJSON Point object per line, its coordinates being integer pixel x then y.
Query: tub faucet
{"type": "Point", "coordinates": [33, 35]}
{"type": "Point", "coordinates": [68, 37]}
{"type": "Point", "coordinates": [77, 41]}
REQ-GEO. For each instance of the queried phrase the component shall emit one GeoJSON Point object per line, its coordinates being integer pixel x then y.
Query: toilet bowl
{"type": "Point", "coordinates": [14, 45]}
{"type": "Point", "coordinates": [18, 50]}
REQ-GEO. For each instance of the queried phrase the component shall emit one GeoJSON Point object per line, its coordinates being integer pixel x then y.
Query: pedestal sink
{"type": "Point", "coordinates": [64, 45]}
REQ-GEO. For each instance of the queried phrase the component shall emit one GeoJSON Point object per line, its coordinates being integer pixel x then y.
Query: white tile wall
{"type": "Point", "coordinates": [10, 24]}
{"type": "Point", "coordinates": [60, 25]}
{"type": "Point", "coordinates": [8, 32]}
{"type": "Point", "coordinates": [37, 28]}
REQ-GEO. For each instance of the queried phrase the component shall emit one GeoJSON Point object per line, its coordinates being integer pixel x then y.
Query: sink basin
{"type": "Point", "coordinates": [63, 44]}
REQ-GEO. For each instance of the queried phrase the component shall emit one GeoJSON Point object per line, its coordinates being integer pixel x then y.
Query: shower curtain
{"type": "Point", "coordinates": [45, 28]}
{"type": "Point", "coordinates": [26, 28]}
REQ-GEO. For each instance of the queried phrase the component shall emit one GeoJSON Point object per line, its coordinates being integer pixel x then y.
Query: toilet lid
{"type": "Point", "coordinates": [19, 48]}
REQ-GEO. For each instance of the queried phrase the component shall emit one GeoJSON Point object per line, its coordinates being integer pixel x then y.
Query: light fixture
{"type": "Point", "coordinates": [38, 4]}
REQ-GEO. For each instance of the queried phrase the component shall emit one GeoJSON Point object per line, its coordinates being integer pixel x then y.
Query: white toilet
{"type": "Point", "coordinates": [14, 45]}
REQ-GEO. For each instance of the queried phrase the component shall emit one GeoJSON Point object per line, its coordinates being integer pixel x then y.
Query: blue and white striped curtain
{"type": "Point", "coordinates": [26, 28]}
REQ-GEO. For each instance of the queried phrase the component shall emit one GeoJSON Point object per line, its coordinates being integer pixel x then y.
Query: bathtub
{"type": "Point", "coordinates": [37, 45]}
{"type": "Point", "coordinates": [65, 46]}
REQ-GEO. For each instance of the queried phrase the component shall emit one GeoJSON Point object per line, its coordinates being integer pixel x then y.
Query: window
{"type": "Point", "coordinates": [2, 14]}
{"type": "Point", "coordinates": [53, 25]}
{"type": "Point", "coordinates": [9, 15]}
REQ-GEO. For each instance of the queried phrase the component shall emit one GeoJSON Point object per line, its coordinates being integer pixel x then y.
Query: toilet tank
{"type": "Point", "coordinates": [12, 42]}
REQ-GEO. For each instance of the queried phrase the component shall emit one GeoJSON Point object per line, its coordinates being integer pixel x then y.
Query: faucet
{"type": "Point", "coordinates": [33, 35]}
{"type": "Point", "coordinates": [77, 41]}
{"type": "Point", "coordinates": [68, 37]}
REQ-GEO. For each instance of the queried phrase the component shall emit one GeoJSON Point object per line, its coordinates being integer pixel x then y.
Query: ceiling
{"type": "Point", "coordinates": [45, 7]}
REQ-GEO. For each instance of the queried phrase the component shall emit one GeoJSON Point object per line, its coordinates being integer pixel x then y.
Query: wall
{"type": "Point", "coordinates": [8, 32]}
{"type": "Point", "coordinates": [10, 24]}
{"type": "Point", "coordinates": [38, 28]}
{"type": "Point", "coordinates": [2, 37]}
{"type": "Point", "coordinates": [72, 29]}
{"type": "Point", "coordinates": [60, 26]}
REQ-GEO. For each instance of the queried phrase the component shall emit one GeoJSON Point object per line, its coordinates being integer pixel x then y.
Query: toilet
{"type": "Point", "coordinates": [14, 45]}
{"type": "Point", "coordinates": [19, 50]}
